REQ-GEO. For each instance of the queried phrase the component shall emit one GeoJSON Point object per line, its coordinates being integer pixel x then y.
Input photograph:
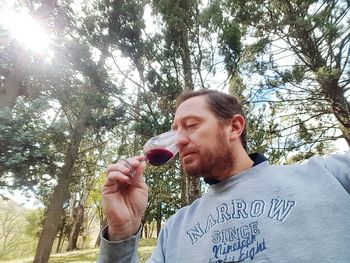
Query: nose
{"type": "Point", "coordinates": [181, 139]}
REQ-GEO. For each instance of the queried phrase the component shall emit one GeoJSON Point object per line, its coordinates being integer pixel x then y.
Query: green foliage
{"type": "Point", "coordinates": [297, 61]}
{"type": "Point", "coordinates": [165, 185]}
{"type": "Point", "coordinates": [231, 44]}
{"type": "Point", "coordinates": [178, 14]}
{"type": "Point", "coordinates": [28, 144]}
{"type": "Point", "coordinates": [34, 220]}
{"type": "Point", "coordinates": [125, 25]}
{"type": "Point", "coordinates": [211, 16]}
{"type": "Point", "coordinates": [296, 75]}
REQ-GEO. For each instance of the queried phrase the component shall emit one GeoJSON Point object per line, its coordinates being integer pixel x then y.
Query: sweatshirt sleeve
{"type": "Point", "coordinates": [339, 166]}
{"type": "Point", "coordinates": [124, 251]}
{"type": "Point", "coordinates": [159, 253]}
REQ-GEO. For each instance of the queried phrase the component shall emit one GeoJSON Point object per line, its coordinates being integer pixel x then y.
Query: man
{"type": "Point", "coordinates": [253, 212]}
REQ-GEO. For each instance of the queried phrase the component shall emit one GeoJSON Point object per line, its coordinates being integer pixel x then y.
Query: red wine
{"type": "Point", "coordinates": [158, 157]}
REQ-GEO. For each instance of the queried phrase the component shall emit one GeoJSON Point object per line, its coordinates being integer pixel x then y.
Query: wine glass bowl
{"type": "Point", "coordinates": [161, 149]}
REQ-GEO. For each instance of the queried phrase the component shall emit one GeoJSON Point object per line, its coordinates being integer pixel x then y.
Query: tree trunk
{"type": "Point", "coordinates": [186, 60]}
{"type": "Point", "coordinates": [78, 220]}
{"type": "Point", "coordinates": [159, 219]}
{"type": "Point", "coordinates": [55, 210]}
{"type": "Point", "coordinates": [190, 189]}
{"type": "Point", "coordinates": [340, 106]}
{"type": "Point", "coordinates": [145, 230]}
{"type": "Point", "coordinates": [98, 241]}
{"type": "Point", "coordinates": [76, 228]}
{"type": "Point", "coordinates": [184, 189]}
{"type": "Point", "coordinates": [151, 231]}
{"type": "Point", "coordinates": [103, 223]}
{"type": "Point", "coordinates": [192, 184]}
{"type": "Point", "coordinates": [60, 239]}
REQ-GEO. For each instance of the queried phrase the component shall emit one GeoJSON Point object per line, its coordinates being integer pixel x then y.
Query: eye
{"type": "Point", "coordinates": [191, 125]}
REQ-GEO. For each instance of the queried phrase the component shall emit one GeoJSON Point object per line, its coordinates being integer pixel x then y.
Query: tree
{"type": "Point", "coordinates": [14, 240]}
{"type": "Point", "coordinates": [55, 210]}
{"type": "Point", "coordinates": [180, 23]}
{"type": "Point", "coordinates": [82, 187]}
{"type": "Point", "coordinates": [164, 201]}
{"type": "Point", "coordinates": [301, 50]}
{"type": "Point", "coordinates": [150, 107]}
{"type": "Point", "coordinates": [27, 144]}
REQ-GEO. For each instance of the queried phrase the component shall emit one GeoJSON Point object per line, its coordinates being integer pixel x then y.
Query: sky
{"type": "Point", "coordinates": [21, 199]}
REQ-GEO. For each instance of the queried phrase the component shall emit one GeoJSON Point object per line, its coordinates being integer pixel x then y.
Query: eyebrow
{"type": "Point", "coordinates": [174, 125]}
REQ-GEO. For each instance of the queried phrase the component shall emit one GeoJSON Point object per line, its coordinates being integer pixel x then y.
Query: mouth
{"type": "Point", "coordinates": [185, 154]}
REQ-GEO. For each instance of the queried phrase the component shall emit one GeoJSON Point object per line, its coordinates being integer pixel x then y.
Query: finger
{"type": "Point", "coordinates": [127, 171]}
{"type": "Point", "coordinates": [126, 163]}
{"type": "Point", "coordinates": [133, 162]}
{"type": "Point", "coordinates": [140, 158]}
{"type": "Point", "coordinates": [130, 163]}
{"type": "Point", "coordinates": [138, 172]}
{"type": "Point", "coordinates": [133, 165]}
{"type": "Point", "coordinates": [115, 182]}
{"type": "Point", "coordinates": [116, 177]}
{"type": "Point", "coordinates": [120, 166]}
{"type": "Point", "coordinates": [110, 189]}
{"type": "Point", "coordinates": [141, 167]}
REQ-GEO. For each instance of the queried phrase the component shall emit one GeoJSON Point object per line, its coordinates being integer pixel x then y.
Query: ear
{"type": "Point", "coordinates": [237, 125]}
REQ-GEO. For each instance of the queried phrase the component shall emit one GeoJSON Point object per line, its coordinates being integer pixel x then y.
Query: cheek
{"type": "Point", "coordinates": [204, 137]}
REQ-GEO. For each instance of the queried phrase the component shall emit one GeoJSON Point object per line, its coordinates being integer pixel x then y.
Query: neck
{"type": "Point", "coordinates": [241, 162]}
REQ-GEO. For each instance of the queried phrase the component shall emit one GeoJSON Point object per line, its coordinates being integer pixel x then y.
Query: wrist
{"type": "Point", "coordinates": [119, 235]}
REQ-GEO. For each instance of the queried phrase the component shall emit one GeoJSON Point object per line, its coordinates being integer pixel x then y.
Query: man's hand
{"type": "Point", "coordinates": [124, 197]}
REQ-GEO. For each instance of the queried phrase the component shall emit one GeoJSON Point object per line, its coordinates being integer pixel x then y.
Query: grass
{"type": "Point", "coordinates": [90, 255]}
{"type": "Point", "coordinates": [145, 248]}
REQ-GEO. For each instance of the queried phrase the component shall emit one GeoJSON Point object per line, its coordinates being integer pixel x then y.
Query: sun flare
{"type": "Point", "coordinates": [25, 29]}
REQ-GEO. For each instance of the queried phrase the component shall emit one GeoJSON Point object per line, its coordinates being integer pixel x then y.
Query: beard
{"type": "Point", "coordinates": [219, 159]}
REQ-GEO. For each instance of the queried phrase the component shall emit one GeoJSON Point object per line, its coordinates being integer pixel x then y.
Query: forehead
{"type": "Point", "coordinates": [193, 107]}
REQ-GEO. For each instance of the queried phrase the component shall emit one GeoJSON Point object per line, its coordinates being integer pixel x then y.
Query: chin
{"type": "Point", "coordinates": [191, 169]}
{"type": "Point", "coordinates": [193, 173]}
{"type": "Point", "coordinates": [192, 165]}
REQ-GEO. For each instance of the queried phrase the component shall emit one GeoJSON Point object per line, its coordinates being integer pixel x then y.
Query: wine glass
{"type": "Point", "coordinates": [161, 149]}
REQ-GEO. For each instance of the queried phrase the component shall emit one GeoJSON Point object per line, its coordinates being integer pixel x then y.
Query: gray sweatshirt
{"type": "Point", "coordinates": [269, 213]}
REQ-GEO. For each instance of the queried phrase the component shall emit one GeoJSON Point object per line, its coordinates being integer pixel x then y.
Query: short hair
{"type": "Point", "coordinates": [222, 105]}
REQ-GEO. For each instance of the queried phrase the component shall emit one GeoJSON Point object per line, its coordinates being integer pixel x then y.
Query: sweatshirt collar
{"type": "Point", "coordinates": [255, 157]}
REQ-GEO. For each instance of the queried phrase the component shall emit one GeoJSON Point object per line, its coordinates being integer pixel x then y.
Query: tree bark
{"type": "Point", "coordinates": [77, 217]}
{"type": "Point", "coordinates": [159, 218]}
{"type": "Point", "coordinates": [340, 106]}
{"type": "Point", "coordinates": [186, 60]}
{"type": "Point", "coordinates": [103, 223]}
{"type": "Point", "coordinates": [55, 210]}
{"type": "Point", "coordinates": [192, 184]}
{"type": "Point", "coordinates": [184, 189]}
{"type": "Point", "coordinates": [60, 238]}
{"type": "Point", "coordinates": [76, 228]}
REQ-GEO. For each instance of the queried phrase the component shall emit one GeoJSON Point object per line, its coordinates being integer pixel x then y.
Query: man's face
{"type": "Point", "coordinates": [203, 144]}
